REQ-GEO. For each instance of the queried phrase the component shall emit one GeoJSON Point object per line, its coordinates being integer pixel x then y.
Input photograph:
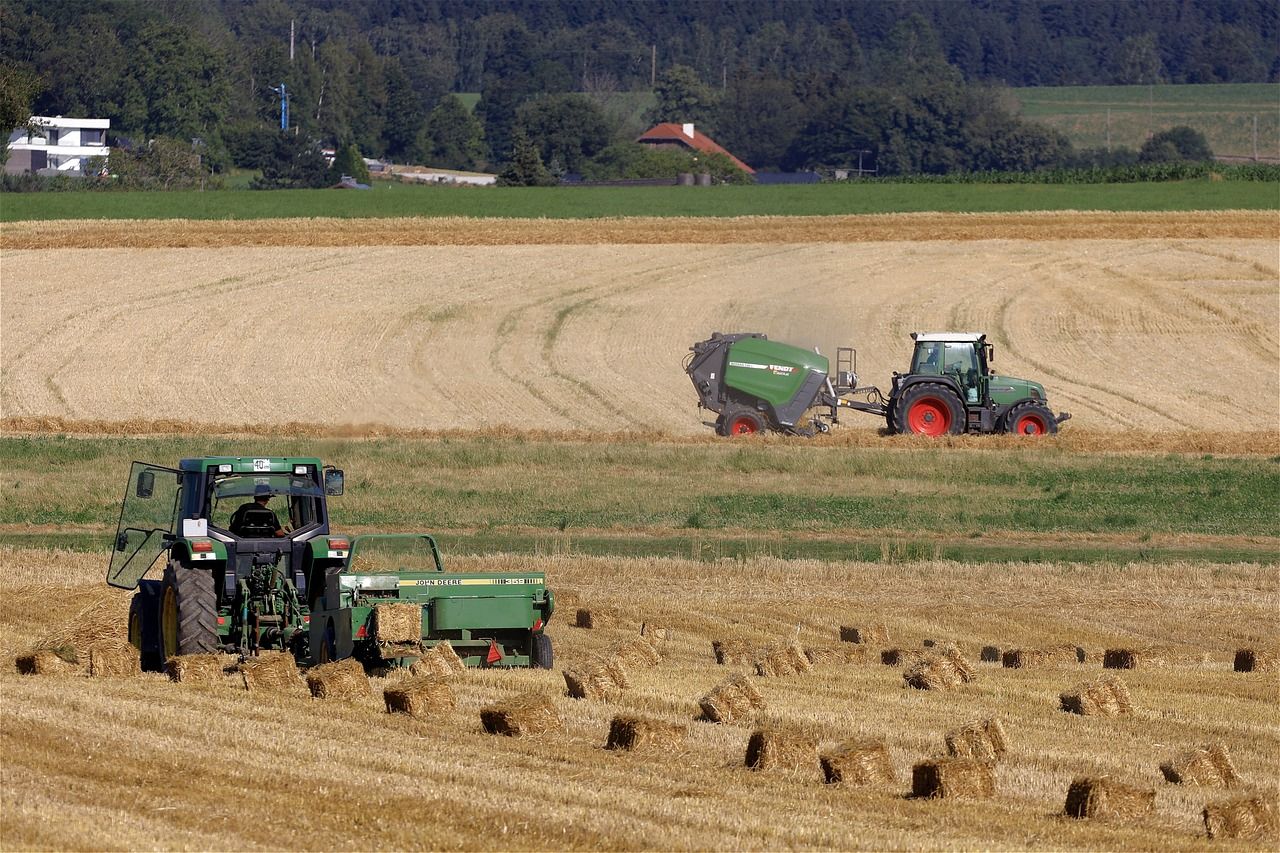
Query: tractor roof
{"type": "Point", "coordinates": [249, 464]}
{"type": "Point", "coordinates": [949, 337]}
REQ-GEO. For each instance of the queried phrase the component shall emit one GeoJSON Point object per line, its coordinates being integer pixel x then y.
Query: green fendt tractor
{"type": "Point", "coordinates": [755, 384]}
{"type": "Point", "coordinates": [239, 577]}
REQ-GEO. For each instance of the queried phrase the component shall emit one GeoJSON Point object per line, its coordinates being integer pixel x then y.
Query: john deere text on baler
{"type": "Point", "coordinates": [754, 384]}
{"type": "Point", "coordinates": [239, 577]}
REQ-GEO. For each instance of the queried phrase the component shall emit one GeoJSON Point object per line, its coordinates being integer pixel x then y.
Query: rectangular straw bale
{"type": "Point", "coordinates": [1255, 660]}
{"type": "Point", "coordinates": [991, 654]}
{"type": "Point", "coordinates": [984, 740]}
{"type": "Point", "coordinates": [633, 733]}
{"type": "Point", "coordinates": [953, 778]}
{"type": "Point", "coordinates": [731, 700]}
{"type": "Point", "coordinates": [733, 652]}
{"type": "Point", "coordinates": [271, 671]}
{"type": "Point", "coordinates": [876, 635]}
{"type": "Point", "coordinates": [940, 672]}
{"type": "Point", "coordinates": [858, 763]}
{"type": "Point", "coordinates": [419, 697]}
{"type": "Point", "coordinates": [1107, 696]}
{"type": "Point", "coordinates": [788, 659]}
{"type": "Point", "coordinates": [397, 623]}
{"type": "Point", "coordinates": [901, 657]}
{"type": "Point", "coordinates": [636, 653]}
{"type": "Point", "coordinates": [1253, 818]}
{"type": "Point", "coordinates": [587, 618]}
{"type": "Point", "coordinates": [44, 662]}
{"type": "Point", "coordinates": [342, 679]}
{"type": "Point", "coordinates": [526, 714]}
{"type": "Point", "coordinates": [200, 670]}
{"type": "Point", "coordinates": [602, 679]}
{"type": "Point", "coordinates": [1051, 656]}
{"type": "Point", "coordinates": [782, 748]}
{"type": "Point", "coordinates": [1132, 658]}
{"type": "Point", "coordinates": [1105, 798]}
{"type": "Point", "coordinates": [113, 658]}
{"type": "Point", "coordinates": [656, 634]}
{"type": "Point", "coordinates": [821, 655]}
{"type": "Point", "coordinates": [1209, 766]}
{"type": "Point", "coordinates": [440, 660]}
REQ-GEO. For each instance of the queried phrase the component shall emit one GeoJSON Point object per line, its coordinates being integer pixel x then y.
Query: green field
{"type": "Point", "coordinates": [392, 200]}
{"type": "Point", "coordinates": [1224, 113]}
{"type": "Point", "coordinates": [708, 501]}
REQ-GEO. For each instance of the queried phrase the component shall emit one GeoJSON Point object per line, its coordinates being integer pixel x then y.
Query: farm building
{"type": "Point", "coordinates": [672, 135]}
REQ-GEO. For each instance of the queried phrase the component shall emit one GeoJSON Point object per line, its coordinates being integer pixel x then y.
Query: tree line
{"type": "Point", "coordinates": [911, 86]}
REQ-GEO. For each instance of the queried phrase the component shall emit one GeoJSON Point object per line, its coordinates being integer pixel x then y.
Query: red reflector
{"type": "Point", "coordinates": [361, 632]}
{"type": "Point", "coordinates": [222, 620]}
{"type": "Point", "coordinates": [537, 624]}
{"type": "Point", "coordinates": [495, 654]}
{"type": "Point", "coordinates": [202, 545]}
{"type": "Point", "coordinates": [306, 619]}
{"type": "Point", "coordinates": [338, 544]}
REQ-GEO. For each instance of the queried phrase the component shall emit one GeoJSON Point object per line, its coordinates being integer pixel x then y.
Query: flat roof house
{"type": "Point", "coordinates": [57, 145]}
{"type": "Point", "coordinates": [672, 135]}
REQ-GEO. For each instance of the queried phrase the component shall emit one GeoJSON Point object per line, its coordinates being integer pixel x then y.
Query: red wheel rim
{"type": "Point", "coordinates": [929, 416]}
{"type": "Point", "coordinates": [1031, 425]}
{"type": "Point", "coordinates": [742, 426]}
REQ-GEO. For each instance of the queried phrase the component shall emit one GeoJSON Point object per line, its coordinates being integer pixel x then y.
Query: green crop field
{"type": "Point", "coordinates": [396, 200]}
{"type": "Point", "coordinates": [1224, 113]}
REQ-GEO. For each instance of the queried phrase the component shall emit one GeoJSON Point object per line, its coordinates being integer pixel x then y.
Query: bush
{"type": "Point", "coordinates": [1177, 144]}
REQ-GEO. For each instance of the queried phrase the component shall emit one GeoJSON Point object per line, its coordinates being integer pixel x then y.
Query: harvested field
{"type": "Point", "coordinates": [434, 332]}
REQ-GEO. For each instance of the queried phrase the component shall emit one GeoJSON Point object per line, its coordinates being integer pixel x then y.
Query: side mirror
{"type": "Point", "coordinates": [333, 481]}
{"type": "Point", "coordinates": [122, 541]}
{"type": "Point", "coordinates": [146, 484]}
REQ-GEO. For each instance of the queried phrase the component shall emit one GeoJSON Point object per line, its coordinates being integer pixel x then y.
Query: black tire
{"type": "Point", "coordinates": [1030, 419]}
{"type": "Point", "coordinates": [543, 656]}
{"type": "Point", "coordinates": [144, 625]}
{"type": "Point", "coordinates": [929, 408]}
{"type": "Point", "coordinates": [739, 420]}
{"type": "Point", "coordinates": [188, 612]}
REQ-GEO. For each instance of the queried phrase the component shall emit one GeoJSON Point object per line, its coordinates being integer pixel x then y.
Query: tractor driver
{"type": "Point", "coordinates": [256, 519]}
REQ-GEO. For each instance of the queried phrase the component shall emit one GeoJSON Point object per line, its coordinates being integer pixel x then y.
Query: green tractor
{"type": "Point", "coordinates": [754, 385]}
{"type": "Point", "coordinates": [240, 578]}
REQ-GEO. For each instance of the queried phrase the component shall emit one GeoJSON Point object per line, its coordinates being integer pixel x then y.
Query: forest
{"type": "Point", "coordinates": [914, 86]}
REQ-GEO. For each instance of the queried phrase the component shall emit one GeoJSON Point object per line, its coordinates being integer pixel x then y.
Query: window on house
{"type": "Point", "coordinates": [92, 137]}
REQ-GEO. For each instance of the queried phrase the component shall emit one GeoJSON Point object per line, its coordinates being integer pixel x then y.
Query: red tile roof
{"type": "Point", "coordinates": [672, 132]}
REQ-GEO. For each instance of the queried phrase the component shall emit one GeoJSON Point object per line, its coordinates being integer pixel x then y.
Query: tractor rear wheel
{"type": "Point", "coordinates": [929, 409]}
{"type": "Point", "coordinates": [188, 612]}
{"type": "Point", "coordinates": [739, 420]}
{"type": "Point", "coordinates": [1030, 419]}
{"type": "Point", "coordinates": [144, 625]}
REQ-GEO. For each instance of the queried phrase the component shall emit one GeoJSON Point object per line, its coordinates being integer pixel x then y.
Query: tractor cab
{"type": "Point", "coordinates": [962, 356]}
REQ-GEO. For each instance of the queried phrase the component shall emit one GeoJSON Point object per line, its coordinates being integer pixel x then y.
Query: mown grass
{"type": "Point", "coordinates": [396, 200]}
{"type": "Point", "coordinates": [708, 501]}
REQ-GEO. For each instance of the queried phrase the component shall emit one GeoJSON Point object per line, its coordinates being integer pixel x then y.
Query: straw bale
{"type": "Point", "coordinates": [782, 748]}
{"type": "Point", "coordinates": [1132, 658]}
{"type": "Point", "coordinates": [636, 653]}
{"type": "Point", "coordinates": [1107, 696]}
{"type": "Point", "coordinates": [1254, 818]}
{"type": "Point", "coordinates": [1256, 660]}
{"type": "Point", "coordinates": [991, 654]}
{"type": "Point", "coordinates": [602, 678]}
{"type": "Point", "coordinates": [586, 618]}
{"type": "Point", "coordinates": [901, 657]}
{"type": "Point", "coordinates": [788, 659]}
{"type": "Point", "coordinates": [940, 672]}
{"type": "Point", "coordinates": [419, 697]}
{"type": "Point", "coordinates": [953, 778]}
{"type": "Point", "coordinates": [341, 679]}
{"type": "Point", "coordinates": [731, 700]}
{"type": "Point", "coordinates": [1209, 766]}
{"type": "Point", "coordinates": [1051, 656]}
{"type": "Point", "coordinates": [271, 671]}
{"type": "Point", "coordinates": [45, 662]}
{"type": "Point", "coordinates": [526, 714]}
{"type": "Point", "coordinates": [440, 660]}
{"type": "Point", "coordinates": [205, 670]}
{"type": "Point", "coordinates": [819, 655]}
{"type": "Point", "coordinates": [656, 634]}
{"type": "Point", "coordinates": [984, 740]}
{"type": "Point", "coordinates": [397, 623]}
{"type": "Point", "coordinates": [113, 658]}
{"type": "Point", "coordinates": [731, 652]}
{"type": "Point", "coordinates": [877, 635]}
{"type": "Point", "coordinates": [1103, 797]}
{"type": "Point", "coordinates": [858, 763]}
{"type": "Point", "coordinates": [632, 733]}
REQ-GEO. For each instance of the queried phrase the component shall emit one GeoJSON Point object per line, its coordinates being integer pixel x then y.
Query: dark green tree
{"type": "Point", "coordinates": [347, 161]}
{"type": "Point", "coordinates": [568, 129]}
{"type": "Point", "coordinates": [452, 138]}
{"type": "Point", "coordinates": [525, 167]}
{"type": "Point", "coordinates": [296, 163]}
{"type": "Point", "coordinates": [404, 113]}
{"type": "Point", "coordinates": [682, 97]}
{"type": "Point", "coordinates": [1177, 144]}
{"type": "Point", "coordinates": [181, 78]}
{"type": "Point", "coordinates": [18, 87]}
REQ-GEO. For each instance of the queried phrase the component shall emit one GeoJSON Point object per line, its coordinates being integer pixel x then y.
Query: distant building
{"type": "Point", "coordinates": [686, 136]}
{"type": "Point", "coordinates": [57, 145]}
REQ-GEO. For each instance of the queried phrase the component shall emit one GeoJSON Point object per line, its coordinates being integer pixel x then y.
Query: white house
{"type": "Point", "coordinates": [57, 144]}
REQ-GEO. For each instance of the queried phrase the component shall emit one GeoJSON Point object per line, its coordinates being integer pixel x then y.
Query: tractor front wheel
{"type": "Point", "coordinates": [929, 409]}
{"type": "Point", "coordinates": [1030, 419]}
{"type": "Point", "coordinates": [188, 612]}
{"type": "Point", "coordinates": [742, 421]}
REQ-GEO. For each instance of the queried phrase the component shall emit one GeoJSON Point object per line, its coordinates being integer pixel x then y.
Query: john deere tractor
{"type": "Point", "coordinates": [755, 384]}
{"type": "Point", "coordinates": [242, 575]}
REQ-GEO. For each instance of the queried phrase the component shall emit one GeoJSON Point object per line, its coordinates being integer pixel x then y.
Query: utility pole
{"type": "Point", "coordinates": [1108, 130]}
{"type": "Point", "coordinates": [1255, 137]}
{"type": "Point", "coordinates": [653, 66]}
{"type": "Point", "coordinates": [291, 22]}
{"type": "Point", "coordinates": [284, 106]}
